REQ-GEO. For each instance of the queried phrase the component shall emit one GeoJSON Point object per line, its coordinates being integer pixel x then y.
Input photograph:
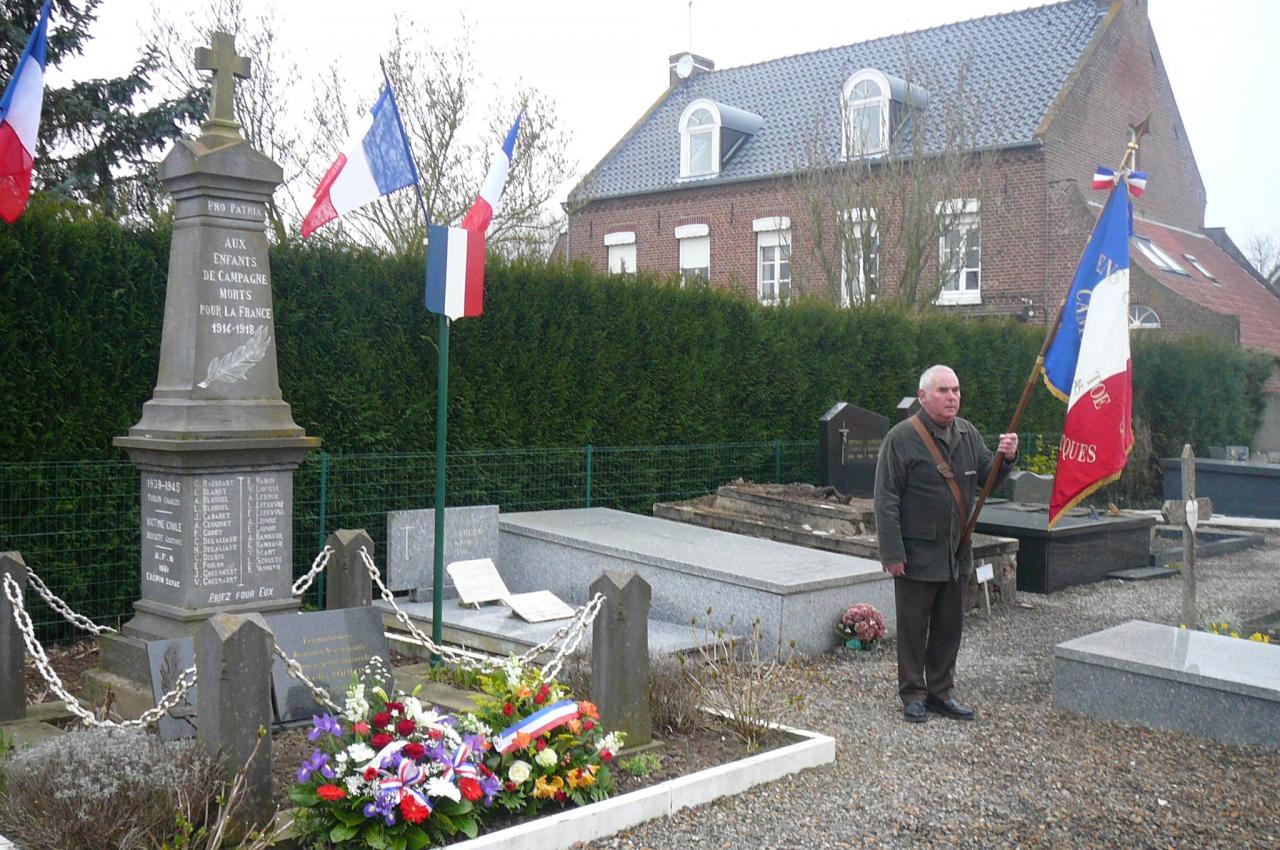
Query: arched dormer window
{"type": "Point", "coordinates": [865, 105]}
{"type": "Point", "coordinates": [700, 139]}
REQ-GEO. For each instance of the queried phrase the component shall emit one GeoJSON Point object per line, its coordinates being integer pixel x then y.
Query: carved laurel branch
{"type": "Point", "coordinates": [234, 365]}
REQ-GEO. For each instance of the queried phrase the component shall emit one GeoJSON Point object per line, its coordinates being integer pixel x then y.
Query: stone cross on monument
{"type": "Point", "coordinates": [227, 67]}
{"type": "Point", "coordinates": [216, 443]}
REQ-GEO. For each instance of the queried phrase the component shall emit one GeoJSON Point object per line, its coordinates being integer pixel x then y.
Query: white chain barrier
{"type": "Point", "coordinates": [295, 670]}
{"type": "Point", "coordinates": [569, 636]}
{"type": "Point", "coordinates": [78, 620]}
{"type": "Point", "coordinates": [317, 566]}
{"type": "Point", "coordinates": [186, 680]}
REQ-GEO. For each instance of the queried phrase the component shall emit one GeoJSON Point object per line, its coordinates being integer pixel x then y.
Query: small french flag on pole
{"type": "Point", "coordinates": [374, 162]}
{"type": "Point", "coordinates": [20, 122]}
{"type": "Point", "coordinates": [455, 255]}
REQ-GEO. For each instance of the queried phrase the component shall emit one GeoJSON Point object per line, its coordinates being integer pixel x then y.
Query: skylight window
{"type": "Point", "coordinates": [1193, 261]}
{"type": "Point", "coordinates": [1153, 253]}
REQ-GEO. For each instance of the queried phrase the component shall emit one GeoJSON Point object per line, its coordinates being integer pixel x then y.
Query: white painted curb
{"type": "Point", "coordinates": [563, 830]}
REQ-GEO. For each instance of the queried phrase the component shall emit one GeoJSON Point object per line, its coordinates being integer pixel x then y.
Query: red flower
{"type": "Point", "coordinates": [511, 786]}
{"type": "Point", "coordinates": [380, 740]}
{"type": "Point", "coordinates": [397, 707]}
{"type": "Point", "coordinates": [435, 734]}
{"type": "Point", "coordinates": [470, 788]}
{"type": "Point", "coordinates": [360, 728]}
{"type": "Point", "coordinates": [414, 750]}
{"type": "Point", "coordinates": [606, 755]}
{"type": "Point", "coordinates": [413, 811]}
{"type": "Point", "coordinates": [405, 727]}
{"type": "Point", "coordinates": [561, 796]}
{"type": "Point", "coordinates": [541, 697]}
{"type": "Point", "coordinates": [330, 792]}
{"type": "Point", "coordinates": [508, 709]}
{"type": "Point", "coordinates": [540, 745]}
{"type": "Point", "coordinates": [588, 725]}
{"type": "Point", "coordinates": [382, 719]}
{"type": "Point", "coordinates": [370, 774]}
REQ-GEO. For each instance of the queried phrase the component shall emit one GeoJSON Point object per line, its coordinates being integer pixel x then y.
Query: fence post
{"type": "Point", "coordinates": [620, 655]}
{"type": "Point", "coordinates": [351, 586]}
{"type": "Point", "coordinates": [324, 504]}
{"type": "Point", "coordinates": [589, 457]}
{"type": "Point", "coordinates": [13, 683]}
{"type": "Point", "coordinates": [777, 461]}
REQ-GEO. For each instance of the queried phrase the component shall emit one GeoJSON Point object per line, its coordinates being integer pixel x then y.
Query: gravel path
{"type": "Point", "coordinates": [1023, 774]}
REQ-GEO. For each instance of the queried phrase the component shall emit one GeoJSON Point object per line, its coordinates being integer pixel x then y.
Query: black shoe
{"type": "Point", "coordinates": [913, 712]}
{"type": "Point", "coordinates": [949, 708]}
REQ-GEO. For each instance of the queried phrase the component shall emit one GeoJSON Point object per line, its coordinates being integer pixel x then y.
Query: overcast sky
{"type": "Point", "coordinates": [604, 62]}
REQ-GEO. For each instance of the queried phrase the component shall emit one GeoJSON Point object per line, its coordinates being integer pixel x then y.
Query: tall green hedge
{"type": "Point", "coordinates": [562, 355]}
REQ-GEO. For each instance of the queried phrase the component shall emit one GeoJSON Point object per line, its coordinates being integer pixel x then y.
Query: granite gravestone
{"type": "Point", "coordinates": [470, 533]}
{"type": "Point", "coordinates": [216, 444]}
{"type": "Point", "coordinates": [329, 646]}
{"type": "Point", "coordinates": [848, 443]}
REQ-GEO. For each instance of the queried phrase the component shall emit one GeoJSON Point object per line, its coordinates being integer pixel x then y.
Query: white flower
{"type": "Point", "coordinates": [414, 711]}
{"type": "Point", "coordinates": [440, 787]}
{"type": "Point", "coordinates": [357, 707]}
{"type": "Point", "coordinates": [354, 783]}
{"type": "Point", "coordinates": [470, 723]}
{"type": "Point", "coordinates": [359, 752]}
{"type": "Point", "coordinates": [514, 669]}
{"type": "Point", "coordinates": [611, 742]}
{"type": "Point", "coordinates": [519, 771]}
{"type": "Point", "coordinates": [547, 758]}
{"type": "Point", "coordinates": [342, 757]}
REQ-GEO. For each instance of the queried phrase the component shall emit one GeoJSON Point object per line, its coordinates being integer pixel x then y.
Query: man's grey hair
{"type": "Point", "coordinates": [927, 376]}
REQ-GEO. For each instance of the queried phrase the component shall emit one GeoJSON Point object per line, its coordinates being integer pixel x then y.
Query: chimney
{"type": "Point", "coordinates": [686, 66]}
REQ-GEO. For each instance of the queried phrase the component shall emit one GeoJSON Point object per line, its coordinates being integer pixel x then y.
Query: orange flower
{"type": "Point", "coordinates": [575, 726]}
{"type": "Point", "coordinates": [589, 710]}
{"type": "Point", "coordinates": [523, 740]}
{"type": "Point", "coordinates": [583, 777]}
{"type": "Point", "coordinates": [524, 693]}
{"type": "Point", "coordinates": [546, 788]}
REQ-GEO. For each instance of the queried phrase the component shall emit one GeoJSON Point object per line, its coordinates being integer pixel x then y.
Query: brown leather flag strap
{"type": "Point", "coordinates": [943, 467]}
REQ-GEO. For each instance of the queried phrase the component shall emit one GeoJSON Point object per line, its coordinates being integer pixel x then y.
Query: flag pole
{"type": "Point", "coordinates": [1135, 132]}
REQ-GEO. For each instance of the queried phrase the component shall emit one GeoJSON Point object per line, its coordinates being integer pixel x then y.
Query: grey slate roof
{"type": "Point", "coordinates": [1015, 64]}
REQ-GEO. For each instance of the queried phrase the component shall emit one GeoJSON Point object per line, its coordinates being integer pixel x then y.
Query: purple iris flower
{"type": "Point", "coordinates": [490, 785]}
{"type": "Point", "coordinates": [325, 724]}
{"type": "Point", "coordinates": [318, 763]}
{"type": "Point", "coordinates": [384, 804]}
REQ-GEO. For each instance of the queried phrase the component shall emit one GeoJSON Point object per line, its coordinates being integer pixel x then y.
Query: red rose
{"type": "Point", "coordinates": [470, 788]}
{"type": "Point", "coordinates": [561, 796]}
{"type": "Point", "coordinates": [540, 745]}
{"type": "Point", "coordinates": [414, 750]}
{"type": "Point", "coordinates": [370, 774]}
{"type": "Point", "coordinates": [405, 727]}
{"type": "Point", "coordinates": [360, 728]}
{"type": "Point", "coordinates": [606, 755]}
{"type": "Point", "coordinates": [380, 740]}
{"type": "Point", "coordinates": [511, 786]}
{"type": "Point", "coordinates": [330, 792]}
{"type": "Point", "coordinates": [541, 697]}
{"type": "Point", "coordinates": [435, 734]}
{"type": "Point", "coordinates": [508, 709]}
{"type": "Point", "coordinates": [588, 725]}
{"type": "Point", "coordinates": [397, 707]}
{"type": "Point", "coordinates": [413, 811]}
{"type": "Point", "coordinates": [382, 719]}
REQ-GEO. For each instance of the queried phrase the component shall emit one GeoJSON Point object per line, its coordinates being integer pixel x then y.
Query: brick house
{"type": "Point", "coordinates": [727, 176]}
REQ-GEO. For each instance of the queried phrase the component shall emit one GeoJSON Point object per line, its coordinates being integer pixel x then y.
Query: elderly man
{"type": "Point", "coordinates": [930, 470]}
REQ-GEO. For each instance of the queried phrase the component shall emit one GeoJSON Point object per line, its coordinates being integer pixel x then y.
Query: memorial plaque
{"type": "Point", "coordinates": [538, 606]}
{"type": "Point", "coordinates": [477, 581]}
{"type": "Point", "coordinates": [330, 646]}
{"type": "Point", "coordinates": [168, 658]}
{"type": "Point", "coordinates": [848, 444]}
{"type": "Point", "coordinates": [470, 533]}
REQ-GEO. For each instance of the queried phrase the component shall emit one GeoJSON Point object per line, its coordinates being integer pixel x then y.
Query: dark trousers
{"type": "Point", "coordinates": [930, 617]}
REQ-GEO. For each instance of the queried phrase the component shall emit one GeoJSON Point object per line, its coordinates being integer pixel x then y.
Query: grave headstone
{"type": "Point", "coordinates": [216, 444]}
{"type": "Point", "coordinates": [620, 655]}
{"type": "Point", "coordinates": [1030, 487]}
{"type": "Point", "coordinates": [329, 646]}
{"type": "Point", "coordinates": [909, 406]}
{"type": "Point", "coordinates": [470, 533]}
{"type": "Point", "coordinates": [13, 653]}
{"type": "Point", "coordinates": [848, 443]}
{"type": "Point", "coordinates": [1240, 454]}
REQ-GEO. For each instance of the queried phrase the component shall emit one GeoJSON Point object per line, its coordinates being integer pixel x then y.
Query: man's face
{"type": "Point", "coordinates": [941, 399]}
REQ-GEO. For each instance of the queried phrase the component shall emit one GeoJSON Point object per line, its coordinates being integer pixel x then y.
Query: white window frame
{"type": "Point", "coordinates": [621, 247]}
{"type": "Point", "coordinates": [693, 239]}
{"type": "Point", "coordinates": [1144, 318]}
{"type": "Point", "coordinates": [848, 105]}
{"type": "Point", "coordinates": [1153, 252]}
{"type": "Point", "coordinates": [773, 233]}
{"type": "Point", "coordinates": [1200, 268]}
{"type": "Point", "coordinates": [854, 222]}
{"type": "Point", "coordinates": [967, 216]}
{"type": "Point", "coordinates": [686, 135]}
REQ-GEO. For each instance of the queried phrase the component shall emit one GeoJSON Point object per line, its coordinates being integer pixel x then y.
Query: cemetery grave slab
{"type": "Point", "coordinates": [1166, 544]}
{"type": "Point", "coordinates": [1163, 677]}
{"type": "Point", "coordinates": [1236, 488]}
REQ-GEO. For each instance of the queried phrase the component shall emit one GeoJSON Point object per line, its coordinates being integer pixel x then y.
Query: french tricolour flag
{"type": "Point", "coordinates": [455, 255]}
{"type": "Point", "coordinates": [374, 162]}
{"type": "Point", "coordinates": [1088, 365]}
{"type": "Point", "coordinates": [20, 122]}
{"type": "Point", "coordinates": [537, 723]}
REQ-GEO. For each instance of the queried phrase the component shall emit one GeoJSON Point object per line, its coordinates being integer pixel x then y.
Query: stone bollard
{"type": "Point", "coordinates": [233, 702]}
{"type": "Point", "coordinates": [348, 585]}
{"type": "Point", "coordinates": [13, 653]}
{"type": "Point", "coordinates": [620, 655]}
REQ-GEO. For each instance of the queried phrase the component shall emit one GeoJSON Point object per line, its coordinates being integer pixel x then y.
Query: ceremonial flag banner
{"type": "Point", "coordinates": [1088, 364]}
{"type": "Point", "coordinates": [20, 122]}
{"type": "Point", "coordinates": [374, 162]}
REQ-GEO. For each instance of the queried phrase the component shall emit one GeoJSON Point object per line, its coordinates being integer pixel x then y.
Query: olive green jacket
{"type": "Point", "coordinates": [917, 519]}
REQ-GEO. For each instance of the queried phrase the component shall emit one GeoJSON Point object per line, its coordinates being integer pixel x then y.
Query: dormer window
{"type": "Point", "coordinates": [866, 114]}
{"type": "Point", "coordinates": [710, 134]}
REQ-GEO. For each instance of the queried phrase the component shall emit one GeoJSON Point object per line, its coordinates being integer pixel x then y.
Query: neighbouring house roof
{"type": "Point", "coordinates": [1014, 65]}
{"type": "Point", "coordinates": [1236, 292]}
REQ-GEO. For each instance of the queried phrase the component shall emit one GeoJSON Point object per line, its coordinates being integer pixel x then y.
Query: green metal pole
{"type": "Point", "coordinates": [777, 461]}
{"type": "Point", "coordinates": [324, 504]}
{"type": "Point", "coordinates": [442, 407]}
{"type": "Point", "coordinates": [588, 475]}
